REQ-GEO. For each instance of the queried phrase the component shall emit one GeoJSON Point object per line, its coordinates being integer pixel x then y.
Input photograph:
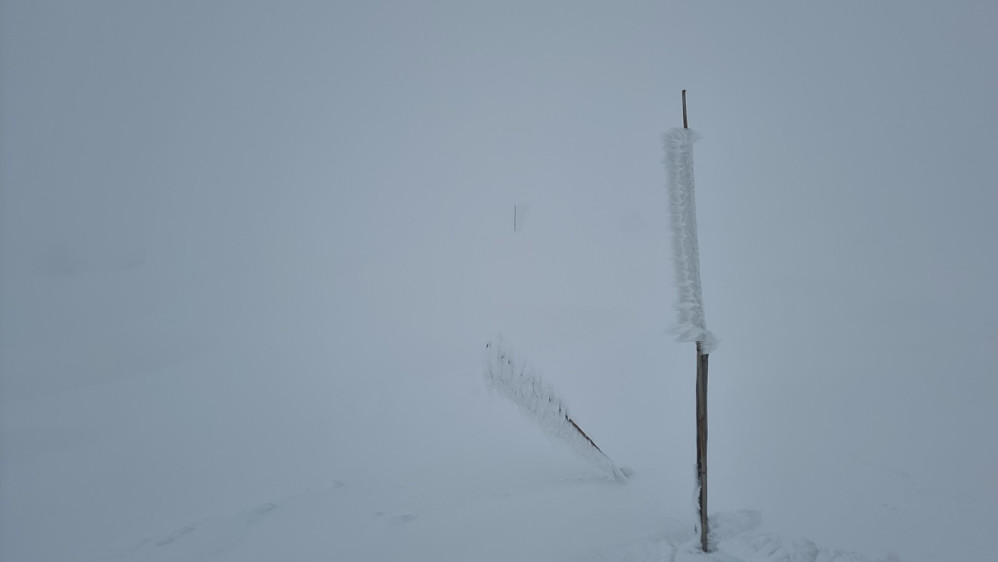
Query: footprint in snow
{"type": "Point", "coordinates": [185, 530]}
{"type": "Point", "coordinates": [397, 519]}
{"type": "Point", "coordinates": [260, 511]}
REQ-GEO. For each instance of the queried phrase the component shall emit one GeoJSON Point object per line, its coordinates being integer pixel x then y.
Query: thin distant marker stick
{"type": "Point", "coordinates": [686, 123]}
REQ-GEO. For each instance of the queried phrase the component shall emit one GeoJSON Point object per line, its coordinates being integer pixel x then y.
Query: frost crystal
{"type": "Point", "coordinates": [685, 249]}
{"type": "Point", "coordinates": [519, 383]}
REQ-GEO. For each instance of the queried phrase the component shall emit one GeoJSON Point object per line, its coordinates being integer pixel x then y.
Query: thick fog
{"type": "Point", "coordinates": [248, 248]}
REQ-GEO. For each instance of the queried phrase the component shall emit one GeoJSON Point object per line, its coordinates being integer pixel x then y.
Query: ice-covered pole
{"type": "Point", "coordinates": [692, 326]}
{"type": "Point", "coordinates": [523, 386]}
{"type": "Point", "coordinates": [686, 261]}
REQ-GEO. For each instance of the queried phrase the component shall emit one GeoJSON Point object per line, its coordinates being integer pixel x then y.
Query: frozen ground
{"type": "Point", "coordinates": [299, 435]}
{"type": "Point", "coordinates": [250, 255]}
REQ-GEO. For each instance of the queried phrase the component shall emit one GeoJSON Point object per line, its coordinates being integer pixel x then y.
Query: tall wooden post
{"type": "Point", "coordinates": [701, 392]}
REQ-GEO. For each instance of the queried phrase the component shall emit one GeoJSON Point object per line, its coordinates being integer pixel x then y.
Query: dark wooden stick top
{"type": "Point", "coordinates": [686, 124]}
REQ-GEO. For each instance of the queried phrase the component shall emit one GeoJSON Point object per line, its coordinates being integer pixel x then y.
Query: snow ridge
{"type": "Point", "coordinates": [692, 326]}
{"type": "Point", "coordinates": [518, 382]}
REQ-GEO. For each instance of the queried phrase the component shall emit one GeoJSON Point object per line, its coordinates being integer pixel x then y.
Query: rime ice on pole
{"type": "Point", "coordinates": [692, 325]}
{"type": "Point", "coordinates": [518, 382]}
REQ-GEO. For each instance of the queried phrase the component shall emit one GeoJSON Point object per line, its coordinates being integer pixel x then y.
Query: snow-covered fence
{"type": "Point", "coordinates": [518, 382]}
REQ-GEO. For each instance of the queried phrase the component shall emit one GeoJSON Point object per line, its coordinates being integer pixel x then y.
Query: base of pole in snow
{"type": "Point", "coordinates": [702, 447]}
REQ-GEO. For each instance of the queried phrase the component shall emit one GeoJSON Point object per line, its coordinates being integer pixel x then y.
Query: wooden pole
{"type": "Point", "coordinates": [702, 445]}
{"type": "Point", "coordinates": [701, 391]}
{"type": "Point", "coordinates": [584, 434]}
{"type": "Point", "coordinates": [686, 123]}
